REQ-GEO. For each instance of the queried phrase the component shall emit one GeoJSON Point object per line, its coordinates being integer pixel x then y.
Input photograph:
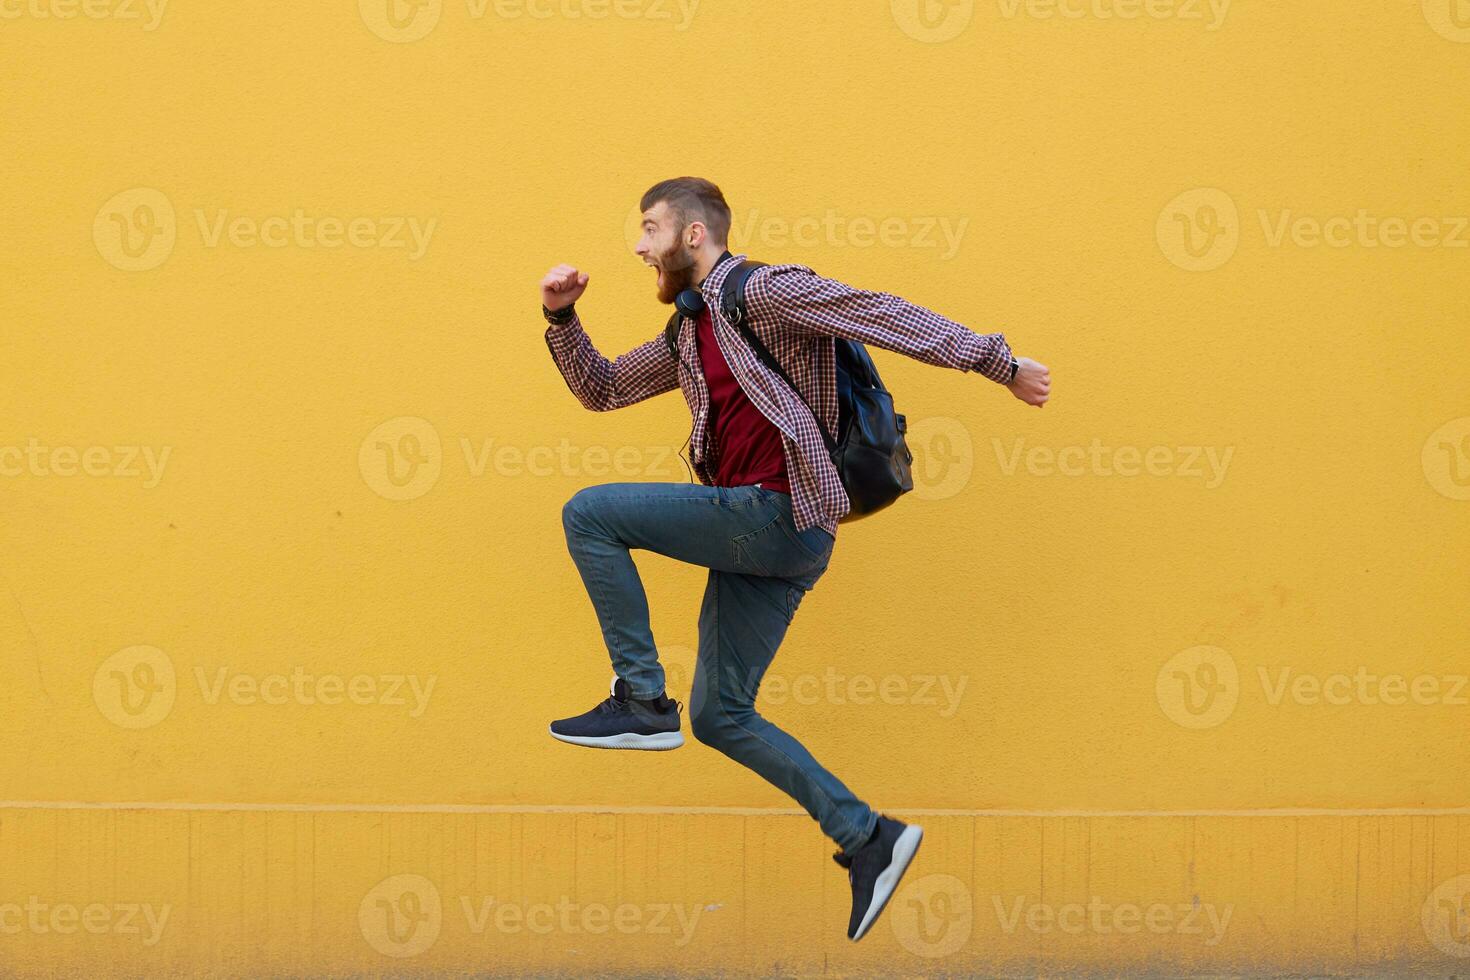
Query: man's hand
{"type": "Point", "coordinates": [1033, 382]}
{"type": "Point", "coordinates": [562, 287]}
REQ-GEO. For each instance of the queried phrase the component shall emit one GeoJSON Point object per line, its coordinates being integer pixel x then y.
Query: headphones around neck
{"type": "Point", "coordinates": [689, 303]}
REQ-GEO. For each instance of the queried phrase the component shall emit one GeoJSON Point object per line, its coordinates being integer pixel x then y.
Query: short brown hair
{"type": "Point", "coordinates": [693, 199]}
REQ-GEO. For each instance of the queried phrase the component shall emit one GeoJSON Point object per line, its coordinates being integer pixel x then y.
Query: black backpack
{"type": "Point", "coordinates": [869, 452]}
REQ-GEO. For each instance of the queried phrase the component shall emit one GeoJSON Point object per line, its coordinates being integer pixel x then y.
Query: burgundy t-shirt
{"type": "Point", "coordinates": [749, 445]}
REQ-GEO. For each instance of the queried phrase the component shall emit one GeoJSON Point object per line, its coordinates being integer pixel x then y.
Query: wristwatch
{"type": "Point", "coordinates": [1015, 366]}
{"type": "Point", "coordinates": [563, 315]}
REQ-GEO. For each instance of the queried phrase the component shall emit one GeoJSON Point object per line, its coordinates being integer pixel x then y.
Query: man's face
{"type": "Point", "coordinates": [662, 247]}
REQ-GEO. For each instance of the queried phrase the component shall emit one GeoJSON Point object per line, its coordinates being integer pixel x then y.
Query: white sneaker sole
{"type": "Point", "coordinates": [661, 742]}
{"type": "Point", "coordinates": [903, 853]}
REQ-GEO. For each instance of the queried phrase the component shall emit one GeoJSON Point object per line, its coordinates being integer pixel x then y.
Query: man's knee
{"type": "Point", "coordinates": [720, 727]}
{"type": "Point", "coordinates": [569, 511]}
{"type": "Point", "coordinates": [576, 511]}
{"type": "Point", "coordinates": [713, 727]}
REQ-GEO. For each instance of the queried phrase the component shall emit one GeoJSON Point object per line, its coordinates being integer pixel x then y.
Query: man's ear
{"type": "Point", "coordinates": [696, 234]}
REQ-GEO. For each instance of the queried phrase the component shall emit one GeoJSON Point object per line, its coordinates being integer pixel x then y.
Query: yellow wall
{"type": "Point", "coordinates": [247, 247]}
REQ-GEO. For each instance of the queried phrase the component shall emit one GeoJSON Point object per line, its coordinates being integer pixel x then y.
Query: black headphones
{"type": "Point", "coordinates": [689, 303]}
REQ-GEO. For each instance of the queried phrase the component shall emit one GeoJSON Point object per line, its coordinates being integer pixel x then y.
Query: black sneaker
{"type": "Point", "coordinates": [620, 722]}
{"type": "Point", "coordinates": [874, 869]}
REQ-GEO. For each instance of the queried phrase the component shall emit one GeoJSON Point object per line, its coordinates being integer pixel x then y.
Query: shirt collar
{"type": "Point", "coordinates": [710, 288]}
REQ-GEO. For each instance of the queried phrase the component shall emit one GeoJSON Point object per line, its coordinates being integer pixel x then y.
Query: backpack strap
{"type": "Point", "coordinates": [732, 291]}
{"type": "Point", "coordinates": [671, 333]}
{"type": "Point", "coordinates": [732, 305]}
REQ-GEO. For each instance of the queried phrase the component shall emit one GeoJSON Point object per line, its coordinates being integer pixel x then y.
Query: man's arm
{"type": "Point", "coordinates": [599, 384]}
{"type": "Point", "coordinates": [602, 385]}
{"type": "Point", "coordinates": [813, 304]}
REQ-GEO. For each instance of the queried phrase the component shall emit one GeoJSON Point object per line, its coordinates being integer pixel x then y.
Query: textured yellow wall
{"type": "Point", "coordinates": [286, 604]}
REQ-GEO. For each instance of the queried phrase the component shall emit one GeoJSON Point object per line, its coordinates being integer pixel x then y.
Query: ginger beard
{"type": "Point", "coordinates": [676, 271]}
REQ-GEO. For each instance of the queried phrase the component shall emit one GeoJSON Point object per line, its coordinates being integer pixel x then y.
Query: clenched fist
{"type": "Point", "coordinates": [562, 287]}
{"type": "Point", "coordinates": [1033, 382]}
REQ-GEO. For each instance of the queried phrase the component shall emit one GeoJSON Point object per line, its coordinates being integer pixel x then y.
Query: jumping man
{"type": "Point", "coordinates": [763, 518]}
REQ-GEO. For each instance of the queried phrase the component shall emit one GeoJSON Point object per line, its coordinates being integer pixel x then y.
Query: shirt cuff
{"type": "Point", "coordinates": [995, 359]}
{"type": "Point", "coordinates": [562, 337]}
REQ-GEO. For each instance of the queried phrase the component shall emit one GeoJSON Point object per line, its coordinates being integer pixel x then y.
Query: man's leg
{"type": "Point", "coordinates": [693, 523]}
{"type": "Point", "coordinates": [741, 624]}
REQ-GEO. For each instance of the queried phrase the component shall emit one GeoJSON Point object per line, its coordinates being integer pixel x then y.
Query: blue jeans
{"type": "Point", "coordinates": [760, 568]}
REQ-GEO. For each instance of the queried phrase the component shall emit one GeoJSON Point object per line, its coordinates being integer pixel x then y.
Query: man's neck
{"type": "Point", "coordinates": [706, 264]}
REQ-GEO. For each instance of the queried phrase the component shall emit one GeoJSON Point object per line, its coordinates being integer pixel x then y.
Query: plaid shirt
{"type": "Point", "coordinates": [796, 314]}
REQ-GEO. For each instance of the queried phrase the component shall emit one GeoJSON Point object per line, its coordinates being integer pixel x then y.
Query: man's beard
{"type": "Point", "coordinates": [677, 266]}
